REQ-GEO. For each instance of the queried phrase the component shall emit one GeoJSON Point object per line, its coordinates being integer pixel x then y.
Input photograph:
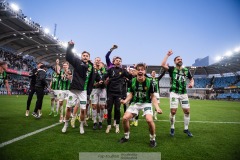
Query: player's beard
{"type": "Point", "coordinates": [179, 64]}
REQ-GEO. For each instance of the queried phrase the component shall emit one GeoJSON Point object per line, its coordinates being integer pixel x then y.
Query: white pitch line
{"type": "Point", "coordinates": [27, 135]}
{"type": "Point", "coordinates": [43, 129]}
{"type": "Point", "coordinates": [202, 122]}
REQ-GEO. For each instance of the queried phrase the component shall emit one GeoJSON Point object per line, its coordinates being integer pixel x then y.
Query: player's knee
{"type": "Point", "coordinates": [186, 112]}
{"type": "Point", "coordinates": [125, 118]}
{"type": "Point", "coordinates": [149, 120]}
{"type": "Point", "coordinates": [68, 109]}
{"type": "Point", "coordinates": [173, 112]}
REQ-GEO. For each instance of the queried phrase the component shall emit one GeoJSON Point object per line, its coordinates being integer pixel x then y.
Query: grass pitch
{"type": "Point", "coordinates": [215, 126]}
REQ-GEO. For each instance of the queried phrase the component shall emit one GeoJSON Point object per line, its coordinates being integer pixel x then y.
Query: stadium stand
{"type": "Point", "coordinates": [21, 39]}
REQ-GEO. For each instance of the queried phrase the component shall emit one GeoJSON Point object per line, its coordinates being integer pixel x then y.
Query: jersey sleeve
{"type": "Point", "coordinates": [189, 75]}
{"type": "Point", "coordinates": [130, 87]}
{"type": "Point", "coordinates": [109, 64]}
{"type": "Point", "coordinates": [170, 70]}
{"type": "Point", "coordinates": [151, 89]}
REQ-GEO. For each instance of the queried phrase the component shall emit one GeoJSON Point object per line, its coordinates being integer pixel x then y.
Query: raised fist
{"type": "Point", "coordinates": [170, 52]}
{"type": "Point", "coordinates": [71, 43]}
{"type": "Point", "coordinates": [114, 47]}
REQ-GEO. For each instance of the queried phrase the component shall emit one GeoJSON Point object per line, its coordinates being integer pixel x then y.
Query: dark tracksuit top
{"type": "Point", "coordinates": [116, 77]}
{"type": "Point", "coordinates": [41, 83]}
{"type": "Point", "coordinates": [80, 72]}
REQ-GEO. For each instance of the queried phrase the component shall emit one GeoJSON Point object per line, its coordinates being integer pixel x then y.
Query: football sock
{"type": "Point", "coordinates": [172, 120]}
{"type": "Point", "coordinates": [186, 121]}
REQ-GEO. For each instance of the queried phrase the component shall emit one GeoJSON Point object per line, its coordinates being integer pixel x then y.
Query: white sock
{"type": "Point", "coordinates": [94, 115]}
{"type": "Point", "coordinates": [172, 120]}
{"type": "Point", "coordinates": [105, 111]}
{"type": "Point", "coordinates": [81, 123]}
{"type": "Point", "coordinates": [152, 137]}
{"type": "Point", "coordinates": [186, 121]}
{"type": "Point", "coordinates": [61, 110]}
{"type": "Point", "coordinates": [57, 107]}
{"type": "Point", "coordinates": [52, 106]}
{"type": "Point", "coordinates": [127, 135]}
{"type": "Point", "coordinates": [101, 115]}
{"type": "Point", "coordinates": [98, 116]}
{"type": "Point", "coordinates": [66, 122]}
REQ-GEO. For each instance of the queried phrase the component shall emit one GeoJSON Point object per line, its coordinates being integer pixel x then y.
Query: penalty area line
{"type": "Point", "coordinates": [27, 135]}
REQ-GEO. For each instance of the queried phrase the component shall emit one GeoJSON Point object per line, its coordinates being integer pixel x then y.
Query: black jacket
{"type": "Point", "coordinates": [80, 72]}
{"type": "Point", "coordinates": [116, 80]}
{"type": "Point", "coordinates": [41, 79]}
{"type": "Point", "coordinates": [33, 76]}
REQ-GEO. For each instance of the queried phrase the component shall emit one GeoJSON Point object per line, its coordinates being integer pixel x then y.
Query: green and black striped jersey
{"type": "Point", "coordinates": [64, 83]}
{"type": "Point", "coordinates": [141, 91]}
{"type": "Point", "coordinates": [55, 81]}
{"type": "Point", "coordinates": [90, 66]}
{"type": "Point", "coordinates": [155, 84]}
{"type": "Point", "coordinates": [100, 73]}
{"type": "Point", "coordinates": [178, 79]}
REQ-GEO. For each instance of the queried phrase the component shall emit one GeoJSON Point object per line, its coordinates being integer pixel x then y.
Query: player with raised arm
{"type": "Point", "coordinates": [54, 88]}
{"type": "Point", "coordinates": [64, 86]}
{"type": "Point", "coordinates": [178, 91]}
{"type": "Point", "coordinates": [81, 86]}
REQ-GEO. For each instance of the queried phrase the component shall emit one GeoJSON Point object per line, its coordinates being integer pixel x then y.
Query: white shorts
{"type": "Point", "coordinates": [62, 95]}
{"type": "Point", "coordinates": [176, 98]}
{"type": "Point", "coordinates": [52, 94]}
{"type": "Point", "coordinates": [134, 108]}
{"type": "Point", "coordinates": [75, 97]}
{"type": "Point", "coordinates": [99, 96]}
{"type": "Point", "coordinates": [157, 96]}
{"type": "Point", "coordinates": [56, 93]}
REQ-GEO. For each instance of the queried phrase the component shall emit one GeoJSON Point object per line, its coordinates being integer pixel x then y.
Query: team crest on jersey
{"type": "Point", "coordinates": [173, 99]}
{"type": "Point", "coordinates": [70, 98]}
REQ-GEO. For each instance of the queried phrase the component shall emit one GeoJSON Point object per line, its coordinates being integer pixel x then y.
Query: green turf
{"type": "Point", "coordinates": [210, 141]}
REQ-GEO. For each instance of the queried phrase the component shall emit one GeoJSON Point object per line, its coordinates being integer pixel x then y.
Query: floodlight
{"type": "Point", "coordinates": [218, 58]}
{"type": "Point", "coordinates": [237, 49]}
{"type": "Point", "coordinates": [228, 53]}
{"type": "Point", "coordinates": [46, 30]}
{"type": "Point", "coordinates": [14, 7]}
{"type": "Point", "coordinates": [64, 44]}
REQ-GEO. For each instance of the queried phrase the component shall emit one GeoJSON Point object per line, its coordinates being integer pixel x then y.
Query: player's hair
{"type": "Point", "coordinates": [176, 58]}
{"type": "Point", "coordinates": [3, 63]}
{"type": "Point", "coordinates": [65, 62]}
{"type": "Point", "coordinates": [86, 52]}
{"type": "Point", "coordinates": [116, 57]}
{"type": "Point", "coordinates": [98, 57]}
{"type": "Point", "coordinates": [141, 65]}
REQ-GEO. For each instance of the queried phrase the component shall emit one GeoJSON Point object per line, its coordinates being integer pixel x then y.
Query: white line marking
{"type": "Point", "coordinates": [27, 135]}
{"type": "Point", "coordinates": [43, 129]}
{"type": "Point", "coordinates": [201, 122]}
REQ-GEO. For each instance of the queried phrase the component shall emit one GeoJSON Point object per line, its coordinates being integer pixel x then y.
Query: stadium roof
{"type": "Point", "coordinates": [27, 37]}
